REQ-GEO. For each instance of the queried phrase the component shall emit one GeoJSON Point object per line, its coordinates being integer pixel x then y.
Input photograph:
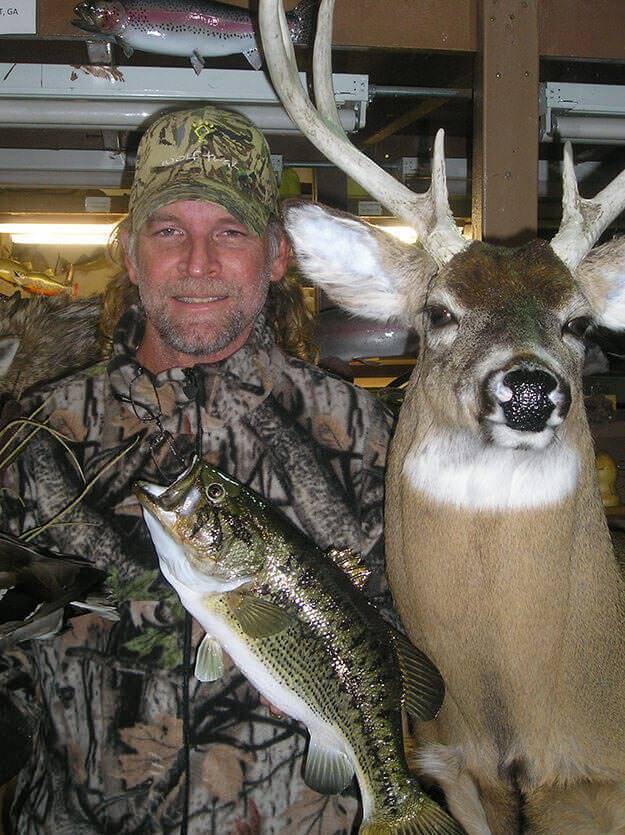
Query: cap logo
{"type": "Point", "coordinates": [203, 129]}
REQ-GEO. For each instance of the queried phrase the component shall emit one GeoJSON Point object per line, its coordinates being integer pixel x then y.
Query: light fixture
{"type": "Point", "coordinates": [589, 113]}
{"type": "Point", "coordinates": [66, 97]}
{"type": "Point", "coordinates": [58, 234]}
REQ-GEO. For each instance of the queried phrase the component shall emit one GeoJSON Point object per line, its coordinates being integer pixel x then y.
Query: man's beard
{"type": "Point", "coordinates": [199, 341]}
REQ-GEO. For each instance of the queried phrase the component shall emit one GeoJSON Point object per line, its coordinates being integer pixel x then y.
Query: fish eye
{"type": "Point", "coordinates": [216, 492]}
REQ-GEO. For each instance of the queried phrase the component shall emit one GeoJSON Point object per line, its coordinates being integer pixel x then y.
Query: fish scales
{"type": "Point", "coordinates": [304, 634]}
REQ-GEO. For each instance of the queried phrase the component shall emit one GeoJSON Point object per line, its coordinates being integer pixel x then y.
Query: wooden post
{"type": "Point", "coordinates": [505, 149]}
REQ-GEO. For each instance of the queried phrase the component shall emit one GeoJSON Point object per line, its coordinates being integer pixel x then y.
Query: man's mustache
{"type": "Point", "coordinates": [198, 288]}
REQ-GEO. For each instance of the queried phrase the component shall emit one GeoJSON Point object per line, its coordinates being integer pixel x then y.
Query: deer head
{"type": "Point", "coordinates": [502, 329]}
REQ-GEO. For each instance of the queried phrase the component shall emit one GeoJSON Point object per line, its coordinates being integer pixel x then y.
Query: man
{"type": "Point", "coordinates": [128, 740]}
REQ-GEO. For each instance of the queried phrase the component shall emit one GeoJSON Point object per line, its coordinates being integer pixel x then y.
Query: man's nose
{"type": "Point", "coordinates": [201, 257]}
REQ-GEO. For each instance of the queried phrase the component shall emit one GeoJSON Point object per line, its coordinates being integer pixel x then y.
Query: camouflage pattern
{"type": "Point", "coordinates": [106, 699]}
{"type": "Point", "coordinates": [56, 335]}
{"type": "Point", "coordinates": [205, 154]}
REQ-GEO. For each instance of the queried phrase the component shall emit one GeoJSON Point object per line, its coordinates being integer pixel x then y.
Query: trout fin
{"type": "Point", "coordinates": [351, 563]}
{"type": "Point", "coordinates": [253, 56]}
{"type": "Point", "coordinates": [209, 660]}
{"type": "Point", "coordinates": [423, 686]}
{"type": "Point", "coordinates": [126, 49]}
{"type": "Point", "coordinates": [327, 770]}
{"type": "Point", "coordinates": [424, 818]}
{"type": "Point", "coordinates": [197, 62]}
{"type": "Point", "coordinates": [258, 618]}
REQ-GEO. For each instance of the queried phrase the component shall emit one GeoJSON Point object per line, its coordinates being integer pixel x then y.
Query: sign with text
{"type": "Point", "coordinates": [19, 17]}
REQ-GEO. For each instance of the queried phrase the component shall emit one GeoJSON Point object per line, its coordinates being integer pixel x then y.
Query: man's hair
{"type": "Point", "coordinates": [285, 309]}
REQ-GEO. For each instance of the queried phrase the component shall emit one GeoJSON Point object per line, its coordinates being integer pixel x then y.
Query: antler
{"type": "Point", "coordinates": [583, 221]}
{"type": "Point", "coordinates": [429, 214]}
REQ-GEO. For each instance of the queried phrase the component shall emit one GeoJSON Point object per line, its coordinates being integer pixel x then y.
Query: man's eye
{"type": "Point", "coordinates": [166, 232]}
{"type": "Point", "coordinates": [439, 316]}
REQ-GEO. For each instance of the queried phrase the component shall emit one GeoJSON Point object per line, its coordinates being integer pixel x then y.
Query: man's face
{"type": "Point", "coordinates": [202, 277]}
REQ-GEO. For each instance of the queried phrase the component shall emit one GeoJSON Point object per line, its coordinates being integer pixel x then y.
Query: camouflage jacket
{"type": "Point", "coordinates": [108, 753]}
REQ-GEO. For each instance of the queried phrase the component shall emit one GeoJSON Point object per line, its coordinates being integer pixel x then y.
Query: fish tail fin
{"type": "Point", "coordinates": [302, 19]}
{"type": "Point", "coordinates": [422, 817]}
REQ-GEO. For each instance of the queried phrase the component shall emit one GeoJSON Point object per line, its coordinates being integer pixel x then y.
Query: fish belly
{"type": "Point", "coordinates": [183, 44]}
{"type": "Point", "coordinates": [267, 677]}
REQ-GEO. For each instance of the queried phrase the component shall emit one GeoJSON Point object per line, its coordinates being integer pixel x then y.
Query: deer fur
{"type": "Point", "coordinates": [45, 338]}
{"type": "Point", "coordinates": [497, 549]}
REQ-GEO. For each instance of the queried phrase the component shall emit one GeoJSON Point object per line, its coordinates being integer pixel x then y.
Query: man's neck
{"type": "Point", "coordinates": [156, 355]}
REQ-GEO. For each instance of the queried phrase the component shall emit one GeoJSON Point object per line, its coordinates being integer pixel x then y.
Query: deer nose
{"type": "Point", "coordinates": [528, 397]}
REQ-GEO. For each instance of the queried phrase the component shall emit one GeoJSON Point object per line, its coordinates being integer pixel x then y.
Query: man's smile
{"type": "Point", "coordinates": [199, 299]}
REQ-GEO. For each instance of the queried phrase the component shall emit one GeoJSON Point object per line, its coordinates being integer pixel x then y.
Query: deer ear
{"type": "Point", "coordinates": [8, 349]}
{"type": "Point", "coordinates": [601, 276]}
{"type": "Point", "coordinates": [362, 269]}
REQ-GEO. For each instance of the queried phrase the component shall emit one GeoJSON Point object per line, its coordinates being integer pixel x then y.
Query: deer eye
{"type": "Point", "coordinates": [577, 327]}
{"type": "Point", "coordinates": [439, 316]}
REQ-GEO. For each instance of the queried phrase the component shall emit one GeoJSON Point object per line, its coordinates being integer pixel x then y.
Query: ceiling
{"type": "Point", "coordinates": [395, 126]}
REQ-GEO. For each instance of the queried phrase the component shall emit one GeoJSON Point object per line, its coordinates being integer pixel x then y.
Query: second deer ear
{"type": "Point", "coordinates": [601, 277]}
{"type": "Point", "coordinates": [362, 269]}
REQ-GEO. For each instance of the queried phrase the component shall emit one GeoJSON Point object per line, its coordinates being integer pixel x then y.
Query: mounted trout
{"type": "Point", "coordinates": [187, 28]}
{"type": "Point", "coordinates": [297, 624]}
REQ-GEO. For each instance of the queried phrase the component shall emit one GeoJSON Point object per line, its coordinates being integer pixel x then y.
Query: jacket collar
{"type": "Point", "coordinates": [226, 390]}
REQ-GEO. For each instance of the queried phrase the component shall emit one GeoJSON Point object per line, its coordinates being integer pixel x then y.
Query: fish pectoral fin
{"type": "Point", "coordinates": [258, 618]}
{"type": "Point", "coordinates": [253, 56]}
{"type": "Point", "coordinates": [127, 50]}
{"type": "Point", "coordinates": [327, 770]}
{"type": "Point", "coordinates": [423, 686]}
{"type": "Point", "coordinates": [209, 660]}
{"type": "Point", "coordinates": [351, 563]}
{"type": "Point", "coordinates": [197, 62]}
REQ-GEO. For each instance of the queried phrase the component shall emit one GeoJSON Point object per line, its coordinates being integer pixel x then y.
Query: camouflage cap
{"type": "Point", "coordinates": [205, 154]}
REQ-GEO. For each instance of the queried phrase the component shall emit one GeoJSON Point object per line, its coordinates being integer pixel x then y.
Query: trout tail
{"type": "Point", "coordinates": [302, 21]}
{"type": "Point", "coordinates": [422, 817]}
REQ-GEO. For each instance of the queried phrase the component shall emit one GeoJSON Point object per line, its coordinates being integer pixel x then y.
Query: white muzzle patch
{"type": "Point", "coordinates": [461, 470]}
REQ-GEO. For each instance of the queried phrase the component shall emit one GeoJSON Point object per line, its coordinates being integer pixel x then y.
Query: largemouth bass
{"type": "Point", "coordinates": [297, 624]}
{"type": "Point", "coordinates": [186, 28]}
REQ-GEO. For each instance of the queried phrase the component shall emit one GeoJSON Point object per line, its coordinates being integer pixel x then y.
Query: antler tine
{"type": "Point", "coordinates": [583, 221]}
{"type": "Point", "coordinates": [428, 213]}
{"type": "Point", "coordinates": [322, 67]}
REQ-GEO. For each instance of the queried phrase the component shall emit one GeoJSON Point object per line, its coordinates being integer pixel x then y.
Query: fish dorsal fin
{"type": "Point", "coordinates": [258, 618]}
{"type": "Point", "coordinates": [327, 770]}
{"type": "Point", "coordinates": [253, 56]}
{"type": "Point", "coordinates": [351, 563]}
{"type": "Point", "coordinates": [209, 660]}
{"type": "Point", "coordinates": [423, 686]}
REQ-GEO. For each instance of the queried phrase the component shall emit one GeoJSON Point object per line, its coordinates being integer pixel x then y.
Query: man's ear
{"type": "Point", "coordinates": [124, 239]}
{"type": "Point", "coordinates": [281, 260]}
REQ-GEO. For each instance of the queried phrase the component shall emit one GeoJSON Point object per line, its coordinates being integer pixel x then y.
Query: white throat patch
{"type": "Point", "coordinates": [459, 469]}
